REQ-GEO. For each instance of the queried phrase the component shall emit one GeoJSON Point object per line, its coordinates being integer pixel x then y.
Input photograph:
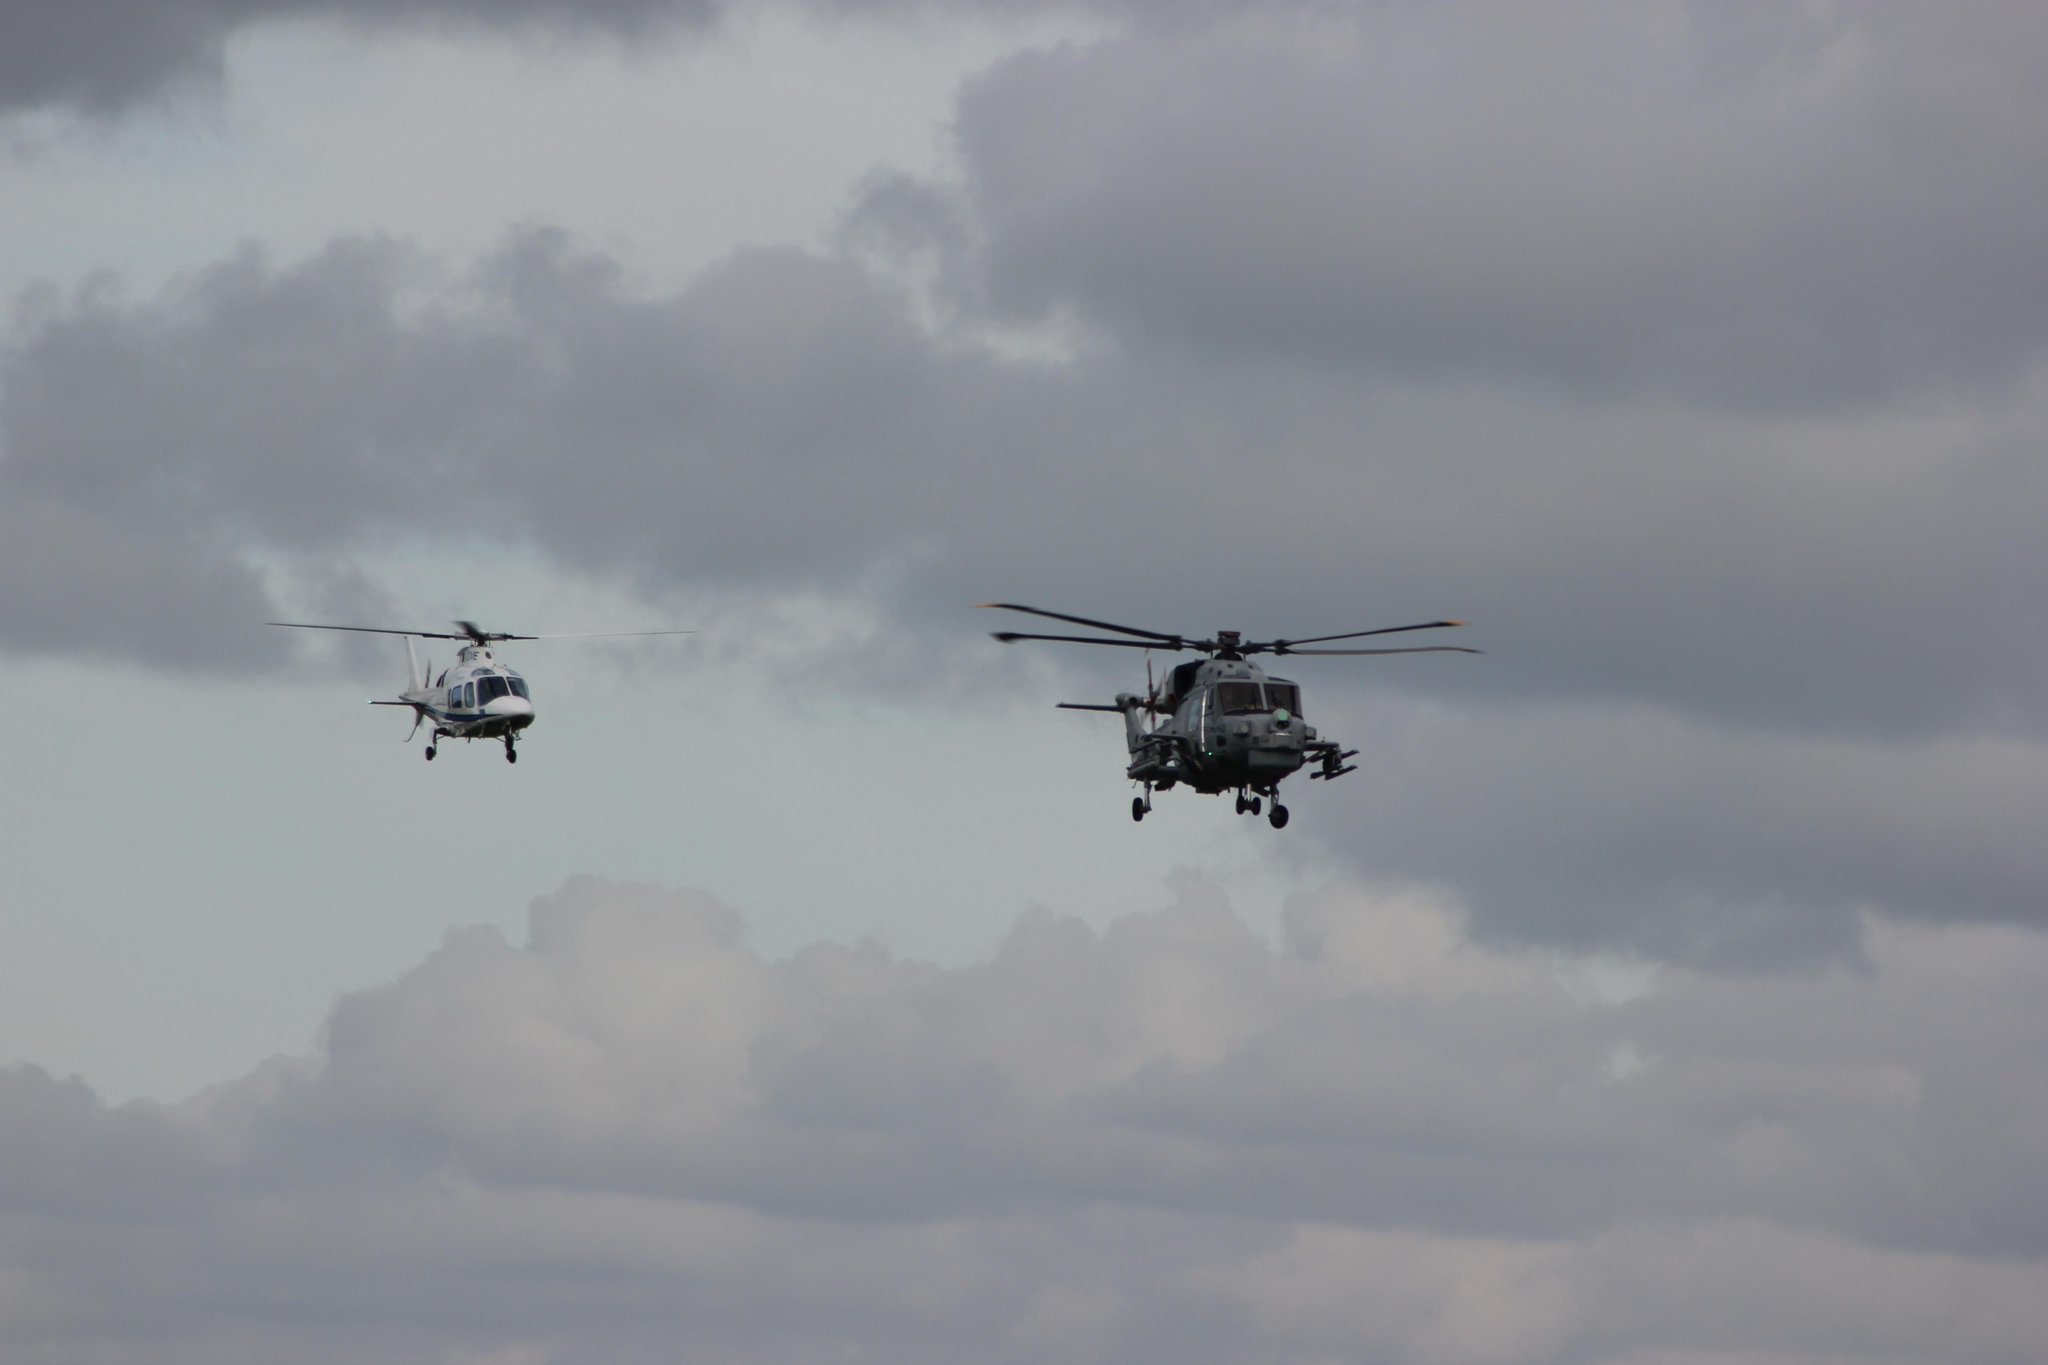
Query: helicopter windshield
{"type": "Point", "coordinates": [1235, 698]}
{"type": "Point", "coordinates": [490, 686]}
{"type": "Point", "coordinates": [1240, 698]}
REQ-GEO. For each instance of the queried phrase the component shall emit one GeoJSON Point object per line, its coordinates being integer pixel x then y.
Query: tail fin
{"type": "Point", "coordinates": [412, 667]}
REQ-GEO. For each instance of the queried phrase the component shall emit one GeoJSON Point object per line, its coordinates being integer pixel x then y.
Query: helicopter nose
{"type": "Point", "coordinates": [516, 709]}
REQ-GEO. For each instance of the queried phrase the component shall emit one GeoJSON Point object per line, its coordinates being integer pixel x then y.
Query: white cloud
{"type": "Point", "coordinates": [1164, 1140]}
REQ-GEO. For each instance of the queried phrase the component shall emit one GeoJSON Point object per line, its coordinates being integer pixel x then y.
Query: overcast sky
{"type": "Point", "coordinates": [1666, 987]}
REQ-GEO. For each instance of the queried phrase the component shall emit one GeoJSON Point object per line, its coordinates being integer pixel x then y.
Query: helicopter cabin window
{"type": "Point", "coordinates": [1284, 695]}
{"type": "Point", "coordinates": [1236, 698]}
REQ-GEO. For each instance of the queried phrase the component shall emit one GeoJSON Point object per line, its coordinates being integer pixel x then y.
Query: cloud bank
{"type": "Point", "coordinates": [632, 1138]}
{"type": "Point", "coordinates": [1698, 356]}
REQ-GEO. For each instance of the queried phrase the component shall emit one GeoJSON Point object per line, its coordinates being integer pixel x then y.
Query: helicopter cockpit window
{"type": "Point", "coordinates": [1234, 698]}
{"type": "Point", "coordinates": [1284, 694]}
{"type": "Point", "coordinates": [519, 688]}
{"type": "Point", "coordinates": [491, 687]}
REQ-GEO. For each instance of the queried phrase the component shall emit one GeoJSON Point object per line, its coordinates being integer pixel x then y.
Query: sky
{"type": "Point", "coordinates": [1667, 987]}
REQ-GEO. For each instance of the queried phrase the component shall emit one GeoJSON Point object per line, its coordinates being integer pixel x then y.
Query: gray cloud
{"type": "Point", "coordinates": [1634, 829]}
{"type": "Point", "coordinates": [1676, 200]}
{"type": "Point", "coordinates": [1164, 1141]}
{"type": "Point", "coordinates": [1760, 673]}
{"type": "Point", "coordinates": [784, 418]}
{"type": "Point", "coordinates": [104, 56]}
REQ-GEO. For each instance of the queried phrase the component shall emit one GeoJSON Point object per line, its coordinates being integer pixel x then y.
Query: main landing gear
{"type": "Point", "coordinates": [431, 751]}
{"type": "Point", "coordinates": [1141, 805]}
{"type": "Point", "coordinates": [1248, 804]}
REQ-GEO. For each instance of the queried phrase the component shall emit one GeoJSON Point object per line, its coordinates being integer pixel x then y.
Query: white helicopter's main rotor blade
{"type": "Point", "coordinates": [476, 636]}
{"type": "Point", "coordinates": [371, 630]}
{"type": "Point", "coordinates": [604, 634]}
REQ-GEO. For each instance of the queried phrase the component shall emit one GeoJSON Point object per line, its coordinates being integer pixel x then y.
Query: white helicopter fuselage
{"type": "Point", "coordinates": [479, 697]}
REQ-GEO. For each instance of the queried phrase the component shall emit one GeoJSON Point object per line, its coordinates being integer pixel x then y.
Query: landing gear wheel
{"type": "Point", "coordinates": [1277, 817]}
{"type": "Point", "coordinates": [430, 753]}
{"type": "Point", "coordinates": [1254, 805]}
{"type": "Point", "coordinates": [1138, 808]}
{"type": "Point", "coordinates": [1242, 804]}
{"type": "Point", "coordinates": [511, 754]}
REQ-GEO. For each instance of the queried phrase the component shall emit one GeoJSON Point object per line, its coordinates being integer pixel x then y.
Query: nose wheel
{"type": "Point", "coordinates": [1247, 804]}
{"type": "Point", "coordinates": [511, 754]}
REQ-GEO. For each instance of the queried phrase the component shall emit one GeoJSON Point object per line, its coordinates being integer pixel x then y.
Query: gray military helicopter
{"type": "Point", "coordinates": [1228, 726]}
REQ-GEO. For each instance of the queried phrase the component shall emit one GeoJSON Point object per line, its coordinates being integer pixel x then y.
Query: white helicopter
{"type": "Point", "coordinates": [477, 697]}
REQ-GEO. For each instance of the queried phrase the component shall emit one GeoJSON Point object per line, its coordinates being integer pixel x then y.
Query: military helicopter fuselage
{"type": "Point", "coordinates": [1220, 723]}
{"type": "Point", "coordinates": [1227, 724]}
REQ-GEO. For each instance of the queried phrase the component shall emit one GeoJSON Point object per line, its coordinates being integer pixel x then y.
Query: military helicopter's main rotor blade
{"type": "Point", "coordinates": [1173, 641]}
{"type": "Point", "coordinates": [1008, 636]}
{"type": "Point", "coordinates": [1413, 649]}
{"type": "Point", "coordinates": [1288, 646]}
